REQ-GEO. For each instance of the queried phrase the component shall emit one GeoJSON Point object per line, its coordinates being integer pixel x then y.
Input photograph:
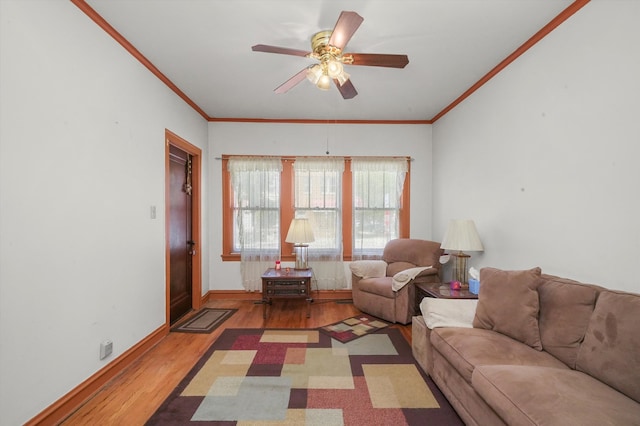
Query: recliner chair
{"type": "Point", "coordinates": [373, 292]}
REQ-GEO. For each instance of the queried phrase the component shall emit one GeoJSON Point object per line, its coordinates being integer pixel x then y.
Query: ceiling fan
{"type": "Point", "coordinates": [327, 47]}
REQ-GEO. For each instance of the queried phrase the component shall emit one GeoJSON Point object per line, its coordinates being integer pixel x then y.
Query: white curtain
{"type": "Point", "coordinates": [256, 188]}
{"type": "Point", "coordinates": [318, 197]}
{"type": "Point", "coordinates": [377, 189]}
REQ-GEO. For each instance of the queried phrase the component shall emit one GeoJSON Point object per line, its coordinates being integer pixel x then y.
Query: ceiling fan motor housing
{"type": "Point", "coordinates": [324, 52]}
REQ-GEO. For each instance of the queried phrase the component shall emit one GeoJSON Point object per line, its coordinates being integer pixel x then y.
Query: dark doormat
{"type": "Point", "coordinates": [204, 321]}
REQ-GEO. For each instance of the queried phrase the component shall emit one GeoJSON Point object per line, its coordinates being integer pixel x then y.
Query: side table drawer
{"type": "Point", "coordinates": [286, 288]}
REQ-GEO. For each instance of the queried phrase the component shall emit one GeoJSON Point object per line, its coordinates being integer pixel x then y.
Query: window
{"type": "Point", "coordinates": [377, 190]}
{"type": "Point", "coordinates": [255, 213]}
{"type": "Point", "coordinates": [318, 197]}
{"type": "Point", "coordinates": [355, 204]}
{"type": "Point", "coordinates": [256, 203]}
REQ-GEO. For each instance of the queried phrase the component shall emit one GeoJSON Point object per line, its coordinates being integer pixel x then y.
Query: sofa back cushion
{"type": "Point", "coordinates": [508, 303]}
{"type": "Point", "coordinates": [411, 252]}
{"type": "Point", "coordinates": [397, 267]}
{"type": "Point", "coordinates": [611, 348]}
{"type": "Point", "coordinates": [565, 309]}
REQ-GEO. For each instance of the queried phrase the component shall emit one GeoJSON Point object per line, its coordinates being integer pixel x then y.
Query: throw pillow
{"type": "Point", "coordinates": [508, 303]}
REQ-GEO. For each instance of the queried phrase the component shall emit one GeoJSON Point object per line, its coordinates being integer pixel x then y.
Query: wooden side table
{"type": "Point", "coordinates": [440, 291]}
{"type": "Point", "coordinates": [280, 284]}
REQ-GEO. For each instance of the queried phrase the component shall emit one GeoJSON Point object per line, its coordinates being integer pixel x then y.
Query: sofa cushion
{"type": "Point", "coordinates": [611, 348]}
{"type": "Point", "coordinates": [565, 309]}
{"type": "Point", "coordinates": [467, 348]}
{"type": "Point", "coordinates": [508, 303]}
{"type": "Point", "coordinates": [529, 395]}
{"type": "Point", "coordinates": [379, 286]}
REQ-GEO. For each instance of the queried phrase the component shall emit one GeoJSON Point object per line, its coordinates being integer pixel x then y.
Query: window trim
{"type": "Point", "coordinates": [287, 210]}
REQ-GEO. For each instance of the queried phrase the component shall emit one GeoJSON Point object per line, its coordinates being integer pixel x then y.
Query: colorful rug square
{"type": "Point", "coordinates": [315, 380]}
{"type": "Point", "coordinates": [204, 321]}
{"type": "Point", "coordinates": [354, 327]}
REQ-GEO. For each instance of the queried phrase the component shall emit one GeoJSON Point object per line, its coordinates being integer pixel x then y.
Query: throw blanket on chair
{"type": "Point", "coordinates": [403, 277]}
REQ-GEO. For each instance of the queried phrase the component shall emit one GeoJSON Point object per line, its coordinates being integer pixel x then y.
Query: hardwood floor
{"type": "Point", "coordinates": [134, 395]}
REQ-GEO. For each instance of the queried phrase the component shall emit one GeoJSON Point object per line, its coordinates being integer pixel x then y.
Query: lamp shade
{"type": "Point", "coordinates": [300, 232]}
{"type": "Point", "coordinates": [462, 235]}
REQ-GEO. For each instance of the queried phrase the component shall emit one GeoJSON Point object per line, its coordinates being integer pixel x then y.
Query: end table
{"type": "Point", "coordinates": [294, 284]}
{"type": "Point", "coordinates": [440, 291]}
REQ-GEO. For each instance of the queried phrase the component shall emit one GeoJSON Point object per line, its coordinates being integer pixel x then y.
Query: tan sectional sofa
{"type": "Point", "coordinates": [541, 350]}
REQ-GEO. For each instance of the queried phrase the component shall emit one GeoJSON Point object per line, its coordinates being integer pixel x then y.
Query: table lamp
{"type": "Point", "coordinates": [300, 234]}
{"type": "Point", "coordinates": [461, 236]}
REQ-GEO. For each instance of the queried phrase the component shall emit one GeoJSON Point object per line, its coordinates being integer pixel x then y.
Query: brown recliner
{"type": "Point", "coordinates": [376, 296]}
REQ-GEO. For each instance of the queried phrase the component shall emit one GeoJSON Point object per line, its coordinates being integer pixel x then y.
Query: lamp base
{"type": "Point", "coordinates": [302, 253]}
{"type": "Point", "coordinates": [460, 272]}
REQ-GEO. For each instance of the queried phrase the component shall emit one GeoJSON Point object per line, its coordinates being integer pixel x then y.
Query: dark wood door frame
{"type": "Point", "coordinates": [196, 176]}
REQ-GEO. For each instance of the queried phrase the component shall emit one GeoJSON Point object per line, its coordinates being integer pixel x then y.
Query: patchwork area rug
{"type": "Point", "coordinates": [303, 377]}
{"type": "Point", "coordinates": [354, 327]}
{"type": "Point", "coordinates": [204, 321]}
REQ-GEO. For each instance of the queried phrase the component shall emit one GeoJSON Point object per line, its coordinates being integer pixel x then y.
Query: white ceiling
{"type": "Point", "coordinates": [204, 48]}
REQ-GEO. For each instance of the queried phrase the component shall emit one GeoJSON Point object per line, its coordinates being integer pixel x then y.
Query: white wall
{"type": "Point", "coordinates": [312, 140]}
{"type": "Point", "coordinates": [545, 156]}
{"type": "Point", "coordinates": [82, 160]}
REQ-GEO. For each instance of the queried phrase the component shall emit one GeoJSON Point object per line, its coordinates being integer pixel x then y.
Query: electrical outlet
{"type": "Point", "coordinates": [106, 348]}
{"type": "Point", "coordinates": [152, 212]}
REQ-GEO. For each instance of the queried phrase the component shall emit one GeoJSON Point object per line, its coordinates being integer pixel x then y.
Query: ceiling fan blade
{"type": "Point", "coordinates": [379, 60]}
{"type": "Point", "coordinates": [289, 84]}
{"type": "Point", "coordinates": [347, 90]}
{"type": "Point", "coordinates": [346, 26]}
{"type": "Point", "coordinates": [282, 50]}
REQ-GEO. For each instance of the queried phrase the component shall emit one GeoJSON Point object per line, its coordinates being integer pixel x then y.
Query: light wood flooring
{"type": "Point", "coordinates": [135, 394]}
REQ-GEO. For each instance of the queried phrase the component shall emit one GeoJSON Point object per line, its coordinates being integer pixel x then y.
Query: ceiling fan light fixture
{"type": "Point", "coordinates": [324, 82]}
{"type": "Point", "coordinates": [342, 78]}
{"type": "Point", "coordinates": [314, 73]}
{"type": "Point", "coordinates": [334, 68]}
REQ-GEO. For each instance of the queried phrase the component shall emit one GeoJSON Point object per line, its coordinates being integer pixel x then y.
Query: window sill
{"type": "Point", "coordinates": [235, 257]}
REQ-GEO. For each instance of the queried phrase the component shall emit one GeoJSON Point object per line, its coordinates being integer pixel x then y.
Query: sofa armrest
{"type": "Point", "coordinates": [421, 344]}
{"type": "Point", "coordinates": [438, 313]}
{"type": "Point", "coordinates": [368, 268]}
{"type": "Point", "coordinates": [428, 272]}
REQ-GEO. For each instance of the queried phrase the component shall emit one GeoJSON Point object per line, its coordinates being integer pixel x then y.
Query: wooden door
{"type": "Point", "coordinates": [181, 244]}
